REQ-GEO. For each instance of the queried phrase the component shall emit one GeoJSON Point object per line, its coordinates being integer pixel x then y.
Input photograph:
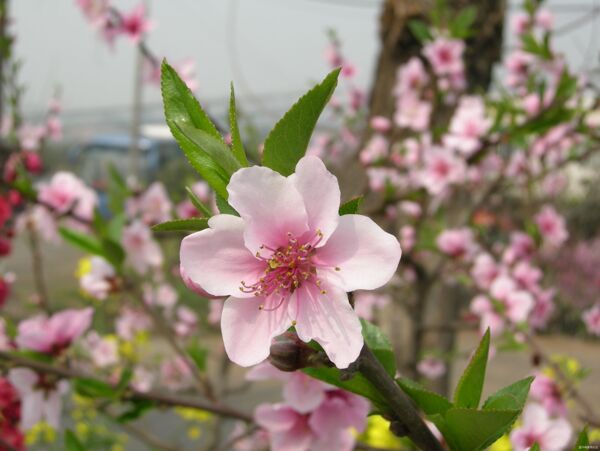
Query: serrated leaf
{"type": "Point", "coordinates": [473, 430]}
{"type": "Point", "coordinates": [431, 403]}
{"type": "Point", "coordinates": [237, 146]}
{"type": "Point", "coordinates": [583, 440]}
{"type": "Point", "coordinates": [137, 409]}
{"type": "Point", "coordinates": [380, 345]}
{"type": "Point", "coordinates": [511, 397]}
{"type": "Point", "coordinates": [196, 202]}
{"type": "Point", "coordinates": [181, 225]}
{"type": "Point", "coordinates": [420, 30]}
{"type": "Point", "coordinates": [225, 208]}
{"type": "Point", "coordinates": [198, 355]}
{"type": "Point", "coordinates": [180, 104]}
{"type": "Point", "coordinates": [93, 388]}
{"type": "Point", "coordinates": [72, 443]}
{"type": "Point", "coordinates": [213, 147]}
{"type": "Point", "coordinates": [462, 23]}
{"type": "Point", "coordinates": [357, 384]}
{"type": "Point", "coordinates": [286, 144]}
{"type": "Point", "coordinates": [85, 242]}
{"type": "Point", "coordinates": [469, 388]}
{"type": "Point", "coordinates": [351, 207]}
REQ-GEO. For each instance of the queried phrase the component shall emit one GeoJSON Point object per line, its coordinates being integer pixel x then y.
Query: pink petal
{"type": "Point", "coordinates": [303, 393]}
{"type": "Point", "coordinates": [248, 330]}
{"type": "Point", "coordinates": [328, 319]}
{"type": "Point", "coordinates": [216, 259]}
{"type": "Point", "coordinates": [321, 193]}
{"type": "Point", "coordinates": [275, 417]}
{"type": "Point", "coordinates": [366, 255]}
{"type": "Point", "coordinates": [270, 205]}
{"type": "Point", "coordinates": [52, 408]}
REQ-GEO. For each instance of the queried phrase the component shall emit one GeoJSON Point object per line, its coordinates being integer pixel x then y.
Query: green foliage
{"type": "Point", "coordinates": [94, 388]}
{"type": "Point", "coordinates": [105, 247]}
{"type": "Point", "coordinates": [182, 225]}
{"type": "Point", "coordinates": [198, 355]}
{"type": "Point", "coordinates": [532, 45]}
{"type": "Point", "coordinates": [470, 386]}
{"type": "Point", "coordinates": [195, 133]}
{"type": "Point", "coordinates": [583, 440]}
{"type": "Point", "coordinates": [380, 346]}
{"type": "Point", "coordinates": [463, 425]}
{"type": "Point", "coordinates": [287, 142]}
{"type": "Point", "coordinates": [351, 207]}
{"type": "Point", "coordinates": [420, 30]}
{"type": "Point", "coordinates": [224, 207]}
{"type": "Point", "coordinates": [237, 145]}
{"type": "Point", "coordinates": [431, 403]}
{"type": "Point", "coordinates": [137, 408]}
{"type": "Point", "coordinates": [72, 443]}
{"type": "Point", "coordinates": [460, 27]}
{"type": "Point", "coordinates": [198, 203]}
{"type": "Point", "coordinates": [512, 397]}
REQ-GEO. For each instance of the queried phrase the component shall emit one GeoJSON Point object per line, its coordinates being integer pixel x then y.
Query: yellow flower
{"type": "Point", "coordinates": [502, 444]}
{"type": "Point", "coordinates": [378, 434]}
{"type": "Point", "coordinates": [194, 432]}
{"type": "Point", "coordinates": [84, 267]}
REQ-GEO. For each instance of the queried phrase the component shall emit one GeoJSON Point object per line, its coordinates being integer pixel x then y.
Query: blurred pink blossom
{"type": "Point", "coordinates": [457, 243]}
{"type": "Point", "coordinates": [591, 318]}
{"type": "Point", "coordinates": [143, 252]}
{"type": "Point", "coordinates": [551, 226]}
{"type": "Point", "coordinates": [550, 434]}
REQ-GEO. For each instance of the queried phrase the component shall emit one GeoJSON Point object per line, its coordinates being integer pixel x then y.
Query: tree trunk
{"type": "Point", "coordinates": [398, 45]}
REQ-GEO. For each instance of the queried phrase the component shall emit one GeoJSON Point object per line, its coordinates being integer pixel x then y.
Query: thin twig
{"type": "Point", "coordinates": [161, 398]}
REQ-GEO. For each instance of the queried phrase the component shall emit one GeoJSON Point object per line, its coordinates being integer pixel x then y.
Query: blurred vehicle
{"type": "Point", "coordinates": [93, 159]}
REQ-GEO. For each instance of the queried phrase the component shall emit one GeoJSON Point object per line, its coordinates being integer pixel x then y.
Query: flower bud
{"type": "Point", "coordinates": [289, 353]}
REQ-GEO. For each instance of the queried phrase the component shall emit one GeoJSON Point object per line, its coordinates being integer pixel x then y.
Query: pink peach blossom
{"type": "Point", "coordinates": [445, 56]}
{"type": "Point", "coordinates": [104, 351]}
{"type": "Point", "coordinates": [550, 434]}
{"type": "Point", "coordinates": [98, 282]}
{"type": "Point", "coordinates": [289, 260]}
{"type": "Point", "coordinates": [544, 19]}
{"type": "Point", "coordinates": [65, 192]}
{"type": "Point", "coordinates": [380, 124]}
{"type": "Point", "coordinates": [457, 243]}
{"type": "Point", "coordinates": [153, 206]}
{"type": "Point", "coordinates": [365, 302]}
{"type": "Point", "coordinates": [442, 169]}
{"type": "Point", "coordinates": [546, 391]}
{"type": "Point", "coordinates": [468, 125]}
{"type": "Point", "coordinates": [431, 368]}
{"type": "Point", "coordinates": [134, 24]}
{"type": "Point", "coordinates": [591, 318]}
{"type": "Point", "coordinates": [552, 226]}
{"type": "Point", "coordinates": [53, 334]}
{"type": "Point", "coordinates": [131, 322]}
{"type": "Point", "coordinates": [520, 23]}
{"type": "Point", "coordinates": [38, 401]}
{"type": "Point", "coordinates": [412, 113]}
{"type": "Point", "coordinates": [411, 78]}
{"type": "Point", "coordinates": [484, 271]}
{"type": "Point", "coordinates": [375, 150]}
{"type": "Point", "coordinates": [143, 252]}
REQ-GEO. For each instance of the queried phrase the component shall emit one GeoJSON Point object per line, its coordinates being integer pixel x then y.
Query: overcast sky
{"type": "Point", "coordinates": [267, 47]}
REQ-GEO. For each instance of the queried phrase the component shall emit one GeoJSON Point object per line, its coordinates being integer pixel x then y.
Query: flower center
{"type": "Point", "coordinates": [286, 268]}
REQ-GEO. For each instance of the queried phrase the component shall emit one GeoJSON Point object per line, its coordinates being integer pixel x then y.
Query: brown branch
{"type": "Point", "coordinates": [161, 398]}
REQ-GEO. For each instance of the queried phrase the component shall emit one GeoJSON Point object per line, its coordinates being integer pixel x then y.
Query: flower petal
{"type": "Point", "coordinates": [248, 329]}
{"type": "Point", "coordinates": [366, 255]}
{"type": "Point", "coordinates": [275, 417]}
{"type": "Point", "coordinates": [216, 259]}
{"type": "Point", "coordinates": [321, 193]}
{"type": "Point", "coordinates": [270, 205]}
{"type": "Point", "coordinates": [328, 319]}
{"type": "Point", "coordinates": [303, 393]}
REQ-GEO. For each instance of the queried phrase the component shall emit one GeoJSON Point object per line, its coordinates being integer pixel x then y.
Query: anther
{"type": "Point", "coordinates": [337, 268]}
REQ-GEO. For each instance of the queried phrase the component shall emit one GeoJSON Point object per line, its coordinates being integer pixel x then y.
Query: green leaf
{"type": "Point", "coordinates": [357, 384]}
{"type": "Point", "coordinates": [380, 345]}
{"type": "Point", "coordinates": [460, 27]}
{"type": "Point", "coordinates": [198, 203]}
{"type": "Point", "coordinates": [468, 390]}
{"type": "Point", "coordinates": [137, 409]}
{"type": "Point", "coordinates": [198, 355]}
{"type": "Point", "coordinates": [183, 113]}
{"type": "Point", "coordinates": [33, 355]}
{"type": "Point", "coordinates": [214, 148]}
{"type": "Point", "coordinates": [182, 225]}
{"type": "Point", "coordinates": [286, 144]}
{"type": "Point", "coordinates": [420, 30]}
{"type": "Point", "coordinates": [431, 403]}
{"type": "Point", "coordinates": [206, 166]}
{"type": "Point", "coordinates": [113, 251]}
{"type": "Point", "coordinates": [224, 207]}
{"type": "Point", "coordinates": [180, 104]}
{"type": "Point", "coordinates": [472, 430]}
{"type": "Point", "coordinates": [93, 388]}
{"type": "Point", "coordinates": [124, 380]}
{"type": "Point", "coordinates": [237, 146]}
{"type": "Point", "coordinates": [583, 441]}
{"type": "Point", "coordinates": [536, 447]}
{"type": "Point", "coordinates": [512, 397]}
{"type": "Point", "coordinates": [72, 443]}
{"type": "Point", "coordinates": [86, 242]}
{"type": "Point", "coordinates": [351, 207]}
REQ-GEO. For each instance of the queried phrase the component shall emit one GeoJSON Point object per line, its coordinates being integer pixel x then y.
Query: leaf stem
{"type": "Point", "coordinates": [402, 407]}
